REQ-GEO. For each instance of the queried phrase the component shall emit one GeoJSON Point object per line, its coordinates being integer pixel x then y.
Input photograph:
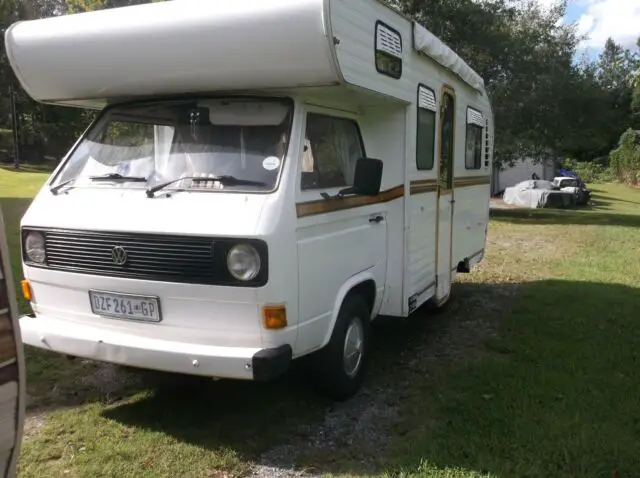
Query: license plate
{"type": "Point", "coordinates": [125, 306]}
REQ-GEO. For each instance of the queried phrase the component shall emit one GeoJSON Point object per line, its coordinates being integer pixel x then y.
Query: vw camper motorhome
{"type": "Point", "coordinates": [263, 179]}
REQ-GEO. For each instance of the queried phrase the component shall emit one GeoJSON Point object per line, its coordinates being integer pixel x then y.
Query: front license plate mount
{"type": "Point", "coordinates": [117, 305]}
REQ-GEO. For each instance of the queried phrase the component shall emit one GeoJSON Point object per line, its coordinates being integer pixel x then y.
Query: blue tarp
{"type": "Point", "coordinates": [570, 174]}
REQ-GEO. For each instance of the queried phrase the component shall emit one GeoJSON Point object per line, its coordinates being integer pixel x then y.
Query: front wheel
{"type": "Point", "coordinates": [341, 365]}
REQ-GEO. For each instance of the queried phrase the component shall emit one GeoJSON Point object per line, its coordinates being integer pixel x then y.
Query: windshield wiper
{"type": "Point", "coordinates": [106, 177]}
{"type": "Point", "coordinates": [54, 189]}
{"type": "Point", "coordinates": [225, 180]}
{"type": "Point", "coordinates": [119, 177]}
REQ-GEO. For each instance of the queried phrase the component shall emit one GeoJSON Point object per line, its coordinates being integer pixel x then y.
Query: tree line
{"type": "Point", "coordinates": [547, 102]}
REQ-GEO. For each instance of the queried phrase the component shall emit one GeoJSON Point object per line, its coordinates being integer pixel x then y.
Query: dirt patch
{"type": "Point", "coordinates": [33, 423]}
{"type": "Point", "coordinates": [498, 203]}
{"type": "Point", "coordinates": [354, 435]}
{"type": "Point", "coordinates": [111, 381]}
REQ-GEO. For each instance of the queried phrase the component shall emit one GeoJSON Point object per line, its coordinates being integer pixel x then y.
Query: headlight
{"type": "Point", "coordinates": [243, 262]}
{"type": "Point", "coordinates": [34, 247]}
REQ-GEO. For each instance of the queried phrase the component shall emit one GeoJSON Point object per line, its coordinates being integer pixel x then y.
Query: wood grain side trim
{"type": "Point", "coordinates": [423, 186]}
{"type": "Point", "coordinates": [323, 206]}
{"type": "Point", "coordinates": [7, 346]}
{"type": "Point", "coordinates": [9, 373]}
{"type": "Point", "coordinates": [468, 181]}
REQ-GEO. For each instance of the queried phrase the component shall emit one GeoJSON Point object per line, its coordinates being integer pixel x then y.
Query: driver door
{"type": "Point", "coordinates": [12, 375]}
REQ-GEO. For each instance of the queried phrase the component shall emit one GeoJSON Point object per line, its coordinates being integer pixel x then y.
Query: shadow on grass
{"type": "Point", "coordinates": [550, 389]}
{"type": "Point", "coordinates": [585, 217]}
{"type": "Point", "coordinates": [12, 210]}
{"type": "Point", "coordinates": [250, 418]}
{"type": "Point", "coordinates": [605, 210]}
{"type": "Point", "coordinates": [554, 395]}
{"type": "Point", "coordinates": [29, 168]}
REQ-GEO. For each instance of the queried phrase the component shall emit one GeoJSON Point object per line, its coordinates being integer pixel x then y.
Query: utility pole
{"type": "Point", "coordinates": [14, 125]}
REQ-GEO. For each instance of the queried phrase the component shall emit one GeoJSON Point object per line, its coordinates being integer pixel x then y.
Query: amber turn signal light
{"type": "Point", "coordinates": [26, 290]}
{"type": "Point", "coordinates": [275, 316]}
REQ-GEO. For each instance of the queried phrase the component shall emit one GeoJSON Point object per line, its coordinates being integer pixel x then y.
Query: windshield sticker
{"type": "Point", "coordinates": [270, 163]}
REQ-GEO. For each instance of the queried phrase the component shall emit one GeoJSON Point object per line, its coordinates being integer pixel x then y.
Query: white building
{"type": "Point", "coordinates": [508, 176]}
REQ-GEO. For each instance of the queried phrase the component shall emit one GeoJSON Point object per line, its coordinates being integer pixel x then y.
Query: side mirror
{"type": "Point", "coordinates": [367, 178]}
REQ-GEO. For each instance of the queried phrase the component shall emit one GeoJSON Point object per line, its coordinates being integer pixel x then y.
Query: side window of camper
{"type": "Point", "coordinates": [473, 150]}
{"type": "Point", "coordinates": [426, 128]}
{"type": "Point", "coordinates": [332, 148]}
{"type": "Point", "coordinates": [388, 51]}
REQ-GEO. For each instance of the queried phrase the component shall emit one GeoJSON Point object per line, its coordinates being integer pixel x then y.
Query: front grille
{"type": "Point", "coordinates": [169, 258]}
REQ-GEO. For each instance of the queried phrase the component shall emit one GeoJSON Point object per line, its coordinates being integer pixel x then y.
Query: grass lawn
{"type": "Point", "coordinates": [531, 372]}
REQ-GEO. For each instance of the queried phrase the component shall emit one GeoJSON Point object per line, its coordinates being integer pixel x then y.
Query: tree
{"type": "Point", "coordinates": [32, 131]}
{"type": "Point", "coordinates": [76, 6]}
{"type": "Point", "coordinates": [43, 130]}
{"type": "Point", "coordinates": [625, 159]}
{"type": "Point", "coordinates": [635, 101]}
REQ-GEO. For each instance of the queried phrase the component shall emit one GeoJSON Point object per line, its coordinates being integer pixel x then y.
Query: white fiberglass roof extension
{"type": "Point", "coordinates": [191, 46]}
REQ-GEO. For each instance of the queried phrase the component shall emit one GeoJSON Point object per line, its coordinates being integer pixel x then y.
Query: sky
{"type": "Point", "coordinates": [600, 19]}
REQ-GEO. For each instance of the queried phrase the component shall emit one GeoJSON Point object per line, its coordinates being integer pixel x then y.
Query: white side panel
{"type": "Point", "coordinates": [444, 247]}
{"type": "Point", "coordinates": [332, 248]}
{"type": "Point", "coordinates": [422, 243]}
{"type": "Point", "coordinates": [173, 47]}
{"type": "Point", "coordinates": [384, 134]}
{"type": "Point", "coordinates": [354, 24]}
{"type": "Point", "coordinates": [471, 213]}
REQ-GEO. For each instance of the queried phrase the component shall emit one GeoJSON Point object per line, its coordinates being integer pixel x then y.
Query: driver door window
{"type": "Point", "coordinates": [331, 149]}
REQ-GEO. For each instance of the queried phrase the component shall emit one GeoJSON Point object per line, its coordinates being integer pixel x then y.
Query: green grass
{"type": "Point", "coordinates": [16, 191]}
{"type": "Point", "coordinates": [532, 372]}
{"type": "Point", "coordinates": [555, 388]}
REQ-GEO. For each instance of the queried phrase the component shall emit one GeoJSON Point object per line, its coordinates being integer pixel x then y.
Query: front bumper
{"type": "Point", "coordinates": [156, 354]}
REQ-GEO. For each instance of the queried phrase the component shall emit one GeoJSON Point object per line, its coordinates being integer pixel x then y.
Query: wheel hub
{"type": "Point", "coordinates": [353, 347]}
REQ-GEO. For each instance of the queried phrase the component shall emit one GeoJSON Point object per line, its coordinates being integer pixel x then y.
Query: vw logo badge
{"type": "Point", "coordinates": [119, 255]}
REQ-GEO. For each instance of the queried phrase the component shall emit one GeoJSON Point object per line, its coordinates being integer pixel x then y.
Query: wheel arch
{"type": "Point", "coordinates": [363, 284]}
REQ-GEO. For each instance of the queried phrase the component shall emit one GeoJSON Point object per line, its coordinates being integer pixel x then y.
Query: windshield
{"type": "Point", "coordinates": [143, 145]}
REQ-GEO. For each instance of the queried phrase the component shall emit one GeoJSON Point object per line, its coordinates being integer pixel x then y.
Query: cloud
{"type": "Point", "coordinates": [601, 19]}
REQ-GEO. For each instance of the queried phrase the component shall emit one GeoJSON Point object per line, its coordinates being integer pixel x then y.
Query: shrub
{"type": "Point", "coordinates": [595, 171]}
{"type": "Point", "coordinates": [625, 159]}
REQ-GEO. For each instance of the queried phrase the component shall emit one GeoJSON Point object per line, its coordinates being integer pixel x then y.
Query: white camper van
{"type": "Point", "coordinates": [263, 179]}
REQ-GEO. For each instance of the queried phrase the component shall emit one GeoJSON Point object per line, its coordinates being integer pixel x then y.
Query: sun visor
{"type": "Point", "coordinates": [245, 113]}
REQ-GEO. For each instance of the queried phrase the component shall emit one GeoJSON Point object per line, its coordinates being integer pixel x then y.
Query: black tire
{"type": "Point", "coordinates": [328, 364]}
